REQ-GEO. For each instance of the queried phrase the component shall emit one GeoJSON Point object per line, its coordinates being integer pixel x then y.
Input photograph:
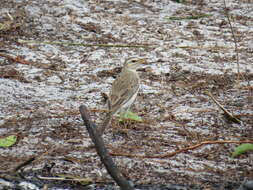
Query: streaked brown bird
{"type": "Point", "coordinates": [124, 90]}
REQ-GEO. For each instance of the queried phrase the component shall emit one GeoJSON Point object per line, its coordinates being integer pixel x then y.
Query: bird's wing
{"type": "Point", "coordinates": [121, 92]}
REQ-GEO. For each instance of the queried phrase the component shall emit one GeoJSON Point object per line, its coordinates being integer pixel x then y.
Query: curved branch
{"type": "Point", "coordinates": [103, 153]}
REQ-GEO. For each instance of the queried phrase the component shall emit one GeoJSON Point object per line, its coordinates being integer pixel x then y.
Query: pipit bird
{"type": "Point", "coordinates": [124, 90]}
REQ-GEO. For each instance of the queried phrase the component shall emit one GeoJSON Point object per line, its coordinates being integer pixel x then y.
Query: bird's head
{"type": "Point", "coordinates": [134, 63]}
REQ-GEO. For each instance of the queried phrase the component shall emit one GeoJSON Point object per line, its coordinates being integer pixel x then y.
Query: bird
{"type": "Point", "coordinates": [124, 90]}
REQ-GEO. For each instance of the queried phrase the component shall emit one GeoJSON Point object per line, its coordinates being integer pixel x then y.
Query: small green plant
{"type": "Point", "coordinates": [241, 149]}
{"type": "Point", "coordinates": [131, 116]}
{"type": "Point", "coordinates": [8, 141]}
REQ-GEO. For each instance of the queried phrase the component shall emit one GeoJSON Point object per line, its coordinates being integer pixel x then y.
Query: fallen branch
{"type": "Point", "coordinates": [171, 154]}
{"type": "Point", "coordinates": [105, 158]}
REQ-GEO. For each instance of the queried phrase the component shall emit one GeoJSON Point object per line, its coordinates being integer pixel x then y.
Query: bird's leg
{"type": "Point", "coordinates": [123, 115]}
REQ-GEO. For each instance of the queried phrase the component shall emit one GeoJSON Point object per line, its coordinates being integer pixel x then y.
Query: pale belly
{"type": "Point", "coordinates": [127, 105]}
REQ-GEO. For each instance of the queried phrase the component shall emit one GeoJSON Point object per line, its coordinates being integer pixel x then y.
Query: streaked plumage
{"type": "Point", "coordinates": [124, 90]}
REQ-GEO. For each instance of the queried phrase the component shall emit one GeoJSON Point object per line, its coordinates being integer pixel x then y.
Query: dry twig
{"type": "Point", "coordinates": [86, 45]}
{"type": "Point", "coordinates": [171, 154]}
{"type": "Point", "coordinates": [228, 114]}
{"type": "Point", "coordinates": [234, 38]}
{"type": "Point", "coordinates": [16, 59]}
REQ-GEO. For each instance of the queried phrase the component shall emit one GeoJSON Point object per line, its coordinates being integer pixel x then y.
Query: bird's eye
{"type": "Point", "coordinates": [133, 61]}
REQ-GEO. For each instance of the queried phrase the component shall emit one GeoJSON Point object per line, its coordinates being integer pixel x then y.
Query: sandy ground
{"type": "Point", "coordinates": [43, 86]}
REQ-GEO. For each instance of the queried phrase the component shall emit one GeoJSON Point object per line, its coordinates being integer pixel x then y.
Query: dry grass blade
{"type": "Point", "coordinates": [228, 114]}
